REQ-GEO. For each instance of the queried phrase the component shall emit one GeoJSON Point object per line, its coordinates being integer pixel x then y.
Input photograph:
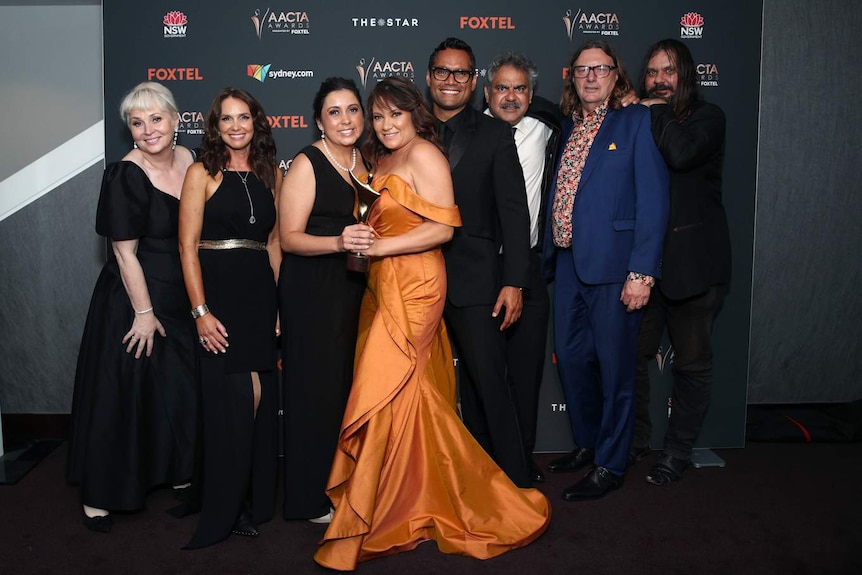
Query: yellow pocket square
{"type": "Point", "coordinates": [612, 146]}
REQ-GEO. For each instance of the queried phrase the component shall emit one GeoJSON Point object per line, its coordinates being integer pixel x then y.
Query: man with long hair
{"type": "Point", "coordinates": [605, 226]}
{"type": "Point", "coordinates": [689, 134]}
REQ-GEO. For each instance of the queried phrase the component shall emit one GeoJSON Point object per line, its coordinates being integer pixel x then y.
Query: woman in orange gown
{"type": "Point", "coordinates": [406, 469]}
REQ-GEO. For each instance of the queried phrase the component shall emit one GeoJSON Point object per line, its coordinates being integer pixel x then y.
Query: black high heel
{"type": "Point", "coordinates": [244, 525]}
{"type": "Point", "coordinates": [99, 524]}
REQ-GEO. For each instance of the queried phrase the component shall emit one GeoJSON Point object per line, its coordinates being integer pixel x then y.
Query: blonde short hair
{"type": "Point", "coordinates": [148, 95]}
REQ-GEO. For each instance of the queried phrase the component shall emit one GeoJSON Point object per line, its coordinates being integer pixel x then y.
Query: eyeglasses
{"type": "Point", "coordinates": [601, 71]}
{"type": "Point", "coordinates": [442, 74]}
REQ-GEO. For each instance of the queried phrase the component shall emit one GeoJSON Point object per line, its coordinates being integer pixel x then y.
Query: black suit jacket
{"type": "Point", "coordinates": [549, 114]}
{"type": "Point", "coordinates": [490, 193]}
{"type": "Point", "coordinates": [697, 242]}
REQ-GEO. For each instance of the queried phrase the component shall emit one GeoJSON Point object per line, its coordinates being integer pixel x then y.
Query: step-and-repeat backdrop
{"type": "Point", "coordinates": [281, 51]}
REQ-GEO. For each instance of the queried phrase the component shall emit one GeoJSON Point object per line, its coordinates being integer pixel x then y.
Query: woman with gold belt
{"type": "Point", "coordinates": [230, 257]}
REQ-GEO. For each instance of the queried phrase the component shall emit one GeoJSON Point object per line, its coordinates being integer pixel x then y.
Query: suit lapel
{"type": "Point", "coordinates": [603, 139]}
{"type": "Point", "coordinates": [462, 138]}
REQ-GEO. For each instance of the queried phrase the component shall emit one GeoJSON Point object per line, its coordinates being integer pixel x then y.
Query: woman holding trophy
{"type": "Point", "coordinates": [406, 469]}
{"type": "Point", "coordinates": [319, 296]}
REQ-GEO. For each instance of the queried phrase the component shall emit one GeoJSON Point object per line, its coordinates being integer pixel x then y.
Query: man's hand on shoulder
{"type": "Point", "coordinates": [650, 101]}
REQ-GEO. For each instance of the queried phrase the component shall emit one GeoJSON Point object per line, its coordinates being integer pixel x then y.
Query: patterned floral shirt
{"type": "Point", "coordinates": [569, 176]}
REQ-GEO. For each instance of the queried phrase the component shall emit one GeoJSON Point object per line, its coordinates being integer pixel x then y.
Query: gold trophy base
{"type": "Point", "coordinates": [358, 262]}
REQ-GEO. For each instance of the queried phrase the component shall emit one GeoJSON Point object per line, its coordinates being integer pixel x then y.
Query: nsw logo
{"type": "Point", "coordinates": [691, 26]}
{"type": "Point", "coordinates": [175, 24]}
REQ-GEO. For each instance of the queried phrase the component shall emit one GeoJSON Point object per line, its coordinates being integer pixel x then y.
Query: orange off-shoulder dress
{"type": "Point", "coordinates": [406, 469]}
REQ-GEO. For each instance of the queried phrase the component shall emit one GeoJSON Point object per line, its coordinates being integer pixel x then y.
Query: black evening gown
{"type": "Point", "coordinates": [319, 300]}
{"type": "Point", "coordinates": [134, 420]}
{"type": "Point", "coordinates": [239, 447]}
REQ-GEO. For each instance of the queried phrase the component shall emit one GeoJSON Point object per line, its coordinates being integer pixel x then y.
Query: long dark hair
{"type": "Point", "coordinates": [571, 103]}
{"type": "Point", "coordinates": [398, 93]}
{"type": "Point", "coordinates": [261, 157]}
{"type": "Point", "coordinates": [686, 93]}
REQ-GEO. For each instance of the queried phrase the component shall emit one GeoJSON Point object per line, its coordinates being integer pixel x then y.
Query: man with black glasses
{"type": "Point", "coordinates": [603, 241]}
{"type": "Point", "coordinates": [487, 261]}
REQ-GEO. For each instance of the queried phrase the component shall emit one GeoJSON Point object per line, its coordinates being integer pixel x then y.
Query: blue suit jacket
{"type": "Point", "coordinates": [621, 208]}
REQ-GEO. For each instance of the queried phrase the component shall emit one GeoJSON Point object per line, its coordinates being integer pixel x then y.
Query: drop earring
{"type": "Point", "coordinates": [322, 135]}
{"type": "Point", "coordinates": [174, 145]}
{"type": "Point", "coordinates": [135, 145]}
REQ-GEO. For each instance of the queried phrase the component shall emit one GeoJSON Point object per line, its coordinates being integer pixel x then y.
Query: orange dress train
{"type": "Point", "coordinates": [406, 469]}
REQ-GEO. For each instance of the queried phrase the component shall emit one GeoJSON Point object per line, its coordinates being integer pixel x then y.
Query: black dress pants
{"type": "Point", "coordinates": [689, 322]}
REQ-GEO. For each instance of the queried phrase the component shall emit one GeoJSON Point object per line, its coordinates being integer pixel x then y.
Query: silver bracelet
{"type": "Point", "coordinates": [200, 311]}
{"type": "Point", "coordinates": [143, 311]}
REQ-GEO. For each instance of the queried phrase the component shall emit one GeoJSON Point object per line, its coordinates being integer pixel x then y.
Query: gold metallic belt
{"type": "Point", "coordinates": [231, 245]}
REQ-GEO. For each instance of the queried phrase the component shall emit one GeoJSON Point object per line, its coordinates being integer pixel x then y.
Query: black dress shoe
{"type": "Point", "coordinates": [666, 470]}
{"type": "Point", "coordinates": [638, 454]}
{"type": "Point", "coordinates": [597, 483]}
{"type": "Point", "coordinates": [99, 524]}
{"type": "Point", "coordinates": [535, 473]}
{"type": "Point", "coordinates": [244, 525]}
{"type": "Point", "coordinates": [577, 459]}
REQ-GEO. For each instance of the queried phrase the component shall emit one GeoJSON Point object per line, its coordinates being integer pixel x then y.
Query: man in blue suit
{"type": "Point", "coordinates": [605, 227]}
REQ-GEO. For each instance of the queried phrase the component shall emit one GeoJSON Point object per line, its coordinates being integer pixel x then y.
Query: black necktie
{"type": "Point", "coordinates": [445, 134]}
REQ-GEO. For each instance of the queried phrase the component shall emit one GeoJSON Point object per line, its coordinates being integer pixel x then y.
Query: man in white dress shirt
{"type": "Point", "coordinates": [509, 86]}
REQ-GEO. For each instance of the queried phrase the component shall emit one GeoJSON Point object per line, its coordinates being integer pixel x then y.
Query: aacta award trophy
{"type": "Point", "coordinates": [366, 196]}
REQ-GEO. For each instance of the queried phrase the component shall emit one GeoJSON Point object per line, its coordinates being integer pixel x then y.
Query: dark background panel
{"type": "Point", "coordinates": [805, 335]}
{"type": "Point", "coordinates": [312, 41]}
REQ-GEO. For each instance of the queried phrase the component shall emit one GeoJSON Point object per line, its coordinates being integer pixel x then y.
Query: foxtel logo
{"type": "Point", "coordinates": [487, 22]}
{"type": "Point", "coordinates": [287, 122]}
{"type": "Point", "coordinates": [164, 74]}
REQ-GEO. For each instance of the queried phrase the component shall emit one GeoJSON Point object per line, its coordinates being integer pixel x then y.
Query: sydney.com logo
{"type": "Point", "coordinates": [261, 72]}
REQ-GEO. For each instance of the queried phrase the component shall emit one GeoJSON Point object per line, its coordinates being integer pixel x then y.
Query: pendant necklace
{"type": "Point", "coordinates": [244, 180]}
{"type": "Point", "coordinates": [334, 161]}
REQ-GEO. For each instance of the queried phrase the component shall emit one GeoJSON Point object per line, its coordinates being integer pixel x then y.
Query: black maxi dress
{"type": "Point", "coordinates": [319, 301]}
{"type": "Point", "coordinates": [239, 448]}
{"type": "Point", "coordinates": [133, 420]}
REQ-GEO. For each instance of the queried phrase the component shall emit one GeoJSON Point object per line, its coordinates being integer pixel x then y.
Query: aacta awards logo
{"type": "Point", "coordinates": [192, 123]}
{"type": "Point", "coordinates": [601, 23]}
{"type": "Point", "coordinates": [175, 24]}
{"type": "Point", "coordinates": [289, 22]}
{"type": "Point", "coordinates": [664, 358]}
{"type": "Point", "coordinates": [487, 22]}
{"type": "Point", "coordinates": [707, 75]}
{"type": "Point", "coordinates": [691, 25]}
{"type": "Point", "coordinates": [379, 70]}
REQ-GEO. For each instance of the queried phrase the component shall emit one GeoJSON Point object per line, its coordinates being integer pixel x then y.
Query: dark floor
{"type": "Point", "coordinates": [774, 509]}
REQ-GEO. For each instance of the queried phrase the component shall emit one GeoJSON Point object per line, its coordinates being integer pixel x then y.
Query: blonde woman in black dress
{"type": "Point", "coordinates": [133, 410]}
